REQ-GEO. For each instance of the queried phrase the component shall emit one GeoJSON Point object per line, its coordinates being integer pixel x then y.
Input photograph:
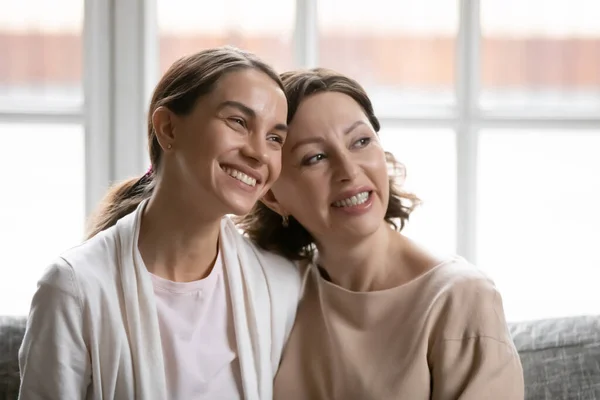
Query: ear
{"type": "Point", "coordinates": [163, 122]}
{"type": "Point", "coordinates": [271, 202]}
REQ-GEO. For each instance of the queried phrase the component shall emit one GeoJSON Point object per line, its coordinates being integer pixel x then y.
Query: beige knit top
{"type": "Point", "coordinates": [441, 336]}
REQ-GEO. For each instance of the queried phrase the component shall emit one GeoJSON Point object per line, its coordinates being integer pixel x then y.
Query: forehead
{"type": "Point", "coordinates": [252, 87]}
{"type": "Point", "coordinates": [326, 112]}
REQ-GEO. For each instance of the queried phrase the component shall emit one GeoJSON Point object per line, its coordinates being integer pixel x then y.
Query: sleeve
{"type": "Point", "coordinates": [476, 358]}
{"type": "Point", "coordinates": [54, 361]}
{"type": "Point", "coordinates": [477, 368]}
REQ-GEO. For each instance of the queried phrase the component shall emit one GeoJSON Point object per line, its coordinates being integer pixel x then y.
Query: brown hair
{"type": "Point", "coordinates": [264, 226]}
{"type": "Point", "coordinates": [181, 86]}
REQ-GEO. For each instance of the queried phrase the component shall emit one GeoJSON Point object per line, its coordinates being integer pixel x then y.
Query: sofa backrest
{"type": "Point", "coordinates": [11, 335]}
{"type": "Point", "coordinates": [560, 357]}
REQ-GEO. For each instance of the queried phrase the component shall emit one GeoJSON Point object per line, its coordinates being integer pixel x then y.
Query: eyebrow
{"type": "Point", "coordinates": [354, 126]}
{"type": "Point", "coordinates": [319, 139]}
{"type": "Point", "coordinates": [240, 106]}
{"type": "Point", "coordinates": [314, 139]}
{"type": "Point", "coordinates": [250, 113]}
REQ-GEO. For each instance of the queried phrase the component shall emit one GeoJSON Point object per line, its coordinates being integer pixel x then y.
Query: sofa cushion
{"type": "Point", "coordinates": [560, 357]}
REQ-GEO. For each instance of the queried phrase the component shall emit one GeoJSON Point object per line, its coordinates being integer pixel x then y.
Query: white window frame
{"type": "Point", "coordinates": [121, 68]}
{"type": "Point", "coordinates": [121, 65]}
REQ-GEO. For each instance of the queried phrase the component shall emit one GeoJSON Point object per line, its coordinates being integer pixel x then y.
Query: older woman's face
{"type": "Point", "coordinates": [334, 178]}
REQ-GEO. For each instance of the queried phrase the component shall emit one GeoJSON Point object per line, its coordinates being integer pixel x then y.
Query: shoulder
{"type": "Point", "coordinates": [457, 277]}
{"type": "Point", "coordinates": [466, 302]}
{"type": "Point", "coordinates": [94, 262]}
{"type": "Point", "coordinates": [58, 294]}
{"type": "Point", "coordinates": [78, 274]}
{"type": "Point", "coordinates": [470, 349]}
{"type": "Point", "coordinates": [95, 249]}
{"type": "Point", "coordinates": [60, 277]}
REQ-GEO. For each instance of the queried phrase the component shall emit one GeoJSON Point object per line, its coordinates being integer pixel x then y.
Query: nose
{"type": "Point", "coordinates": [256, 149]}
{"type": "Point", "coordinates": [346, 168]}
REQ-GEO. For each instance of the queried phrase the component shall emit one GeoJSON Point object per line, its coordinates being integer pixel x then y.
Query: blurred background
{"type": "Point", "coordinates": [492, 105]}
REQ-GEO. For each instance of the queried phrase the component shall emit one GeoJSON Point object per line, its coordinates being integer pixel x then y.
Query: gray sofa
{"type": "Point", "coordinates": [561, 357]}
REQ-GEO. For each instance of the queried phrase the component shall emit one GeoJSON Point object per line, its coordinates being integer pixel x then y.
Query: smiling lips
{"type": "Point", "coordinates": [355, 200]}
{"type": "Point", "coordinates": [240, 176]}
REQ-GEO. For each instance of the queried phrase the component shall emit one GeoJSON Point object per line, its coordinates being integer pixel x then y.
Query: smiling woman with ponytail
{"type": "Point", "coordinates": [166, 300]}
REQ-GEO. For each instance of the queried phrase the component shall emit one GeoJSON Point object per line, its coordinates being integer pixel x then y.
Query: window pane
{"type": "Point", "coordinates": [42, 57]}
{"type": "Point", "coordinates": [263, 27]}
{"type": "Point", "coordinates": [42, 210]}
{"type": "Point", "coordinates": [541, 53]}
{"type": "Point", "coordinates": [429, 156]}
{"type": "Point", "coordinates": [401, 51]}
{"type": "Point", "coordinates": [539, 220]}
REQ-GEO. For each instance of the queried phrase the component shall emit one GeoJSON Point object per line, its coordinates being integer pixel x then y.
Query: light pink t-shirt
{"type": "Point", "coordinates": [198, 339]}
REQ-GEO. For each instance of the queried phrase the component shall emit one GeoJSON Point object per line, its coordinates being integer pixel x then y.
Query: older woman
{"type": "Point", "coordinates": [381, 318]}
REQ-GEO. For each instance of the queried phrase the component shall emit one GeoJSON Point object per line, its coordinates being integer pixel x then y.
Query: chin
{"type": "Point", "coordinates": [235, 201]}
{"type": "Point", "coordinates": [366, 229]}
{"type": "Point", "coordinates": [240, 207]}
{"type": "Point", "coordinates": [364, 226]}
{"type": "Point", "coordinates": [359, 229]}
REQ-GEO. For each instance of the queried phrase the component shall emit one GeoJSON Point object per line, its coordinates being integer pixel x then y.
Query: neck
{"type": "Point", "coordinates": [362, 265]}
{"type": "Point", "coordinates": [177, 241]}
{"type": "Point", "coordinates": [383, 260]}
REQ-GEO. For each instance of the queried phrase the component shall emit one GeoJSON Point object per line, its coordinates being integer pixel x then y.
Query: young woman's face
{"type": "Point", "coordinates": [334, 179]}
{"type": "Point", "coordinates": [227, 151]}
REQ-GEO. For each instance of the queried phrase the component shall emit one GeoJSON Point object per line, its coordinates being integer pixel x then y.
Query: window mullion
{"type": "Point", "coordinates": [121, 67]}
{"type": "Point", "coordinates": [98, 92]}
{"type": "Point", "coordinates": [467, 84]}
{"type": "Point", "coordinates": [306, 34]}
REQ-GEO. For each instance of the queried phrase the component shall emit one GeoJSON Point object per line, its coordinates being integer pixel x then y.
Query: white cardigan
{"type": "Point", "coordinates": [93, 332]}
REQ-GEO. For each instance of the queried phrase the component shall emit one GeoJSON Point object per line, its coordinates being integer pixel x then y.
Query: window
{"type": "Point", "coordinates": [43, 68]}
{"type": "Point", "coordinates": [537, 129]}
{"type": "Point", "coordinates": [42, 211]}
{"type": "Point", "coordinates": [492, 105]}
{"type": "Point", "coordinates": [264, 27]}
{"type": "Point", "coordinates": [543, 61]}
{"type": "Point", "coordinates": [538, 219]}
{"type": "Point", "coordinates": [43, 163]}
{"type": "Point", "coordinates": [429, 157]}
{"type": "Point", "coordinates": [401, 51]}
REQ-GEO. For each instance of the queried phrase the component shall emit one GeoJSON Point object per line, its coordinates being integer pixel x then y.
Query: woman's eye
{"type": "Point", "coordinates": [276, 138]}
{"type": "Point", "coordinates": [362, 142]}
{"type": "Point", "coordinates": [314, 159]}
{"type": "Point", "coordinates": [238, 121]}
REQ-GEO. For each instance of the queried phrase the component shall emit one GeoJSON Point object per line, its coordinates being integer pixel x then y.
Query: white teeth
{"type": "Point", "coordinates": [352, 201]}
{"type": "Point", "coordinates": [240, 176]}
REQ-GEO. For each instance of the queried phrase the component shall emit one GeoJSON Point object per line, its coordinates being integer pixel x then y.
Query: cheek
{"type": "Point", "coordinates": [293, 193]}
{"type": "Point", "coordinates": [274, 166]}
{"type": "Point", "coordinates": [383, 182]}
{"type": "Point", "coordinates": [285, 190]}
{"type": "Point", "coordinates": [200, 146]}
{"type": "Point", "coordinates": [216, 138]}
{"type": "Point", "coordinates": [378, 167]}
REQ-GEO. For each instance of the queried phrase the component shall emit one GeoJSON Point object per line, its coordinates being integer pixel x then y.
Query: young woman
{"type": "Point", "coordinates": [380, 317]}
{"type": "Point", "coordinates": [166, 299]}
